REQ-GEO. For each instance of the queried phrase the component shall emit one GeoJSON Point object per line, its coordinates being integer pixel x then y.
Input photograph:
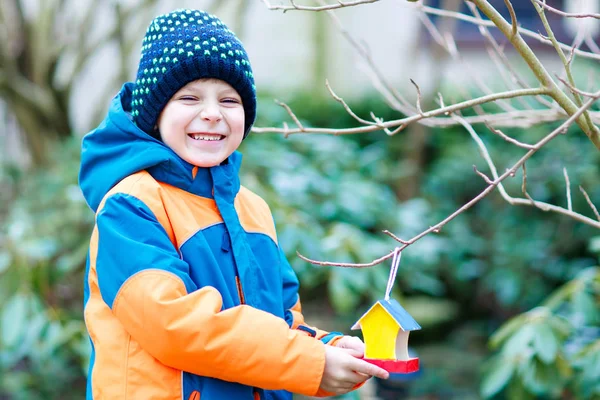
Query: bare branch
{"type": "Point", "coordinates": [508, 138]}
{"type": "Point", "coordinates": [524, 188]}
{"type": "Point", "coordinates": [498, 56]}
{"type": "Point", "coordinates": [340, 4]}
{"type": "Point", "coordinates": [394, 98]}
{"type": "Point", "coordinates": [568, 184]}
{"type": "Point", "coordinates": [566, 14]}
{"type": "Point", "coordinates": [396, 238]}
{"type": "Point", "coordinates": [495, 183]}
{"type": "Point", "coordinates": [574, 89]}
{"type": "Point", "coordinates": [566, 63]}
{"type": "Point", "coordinates": [419, 109]}
{"type": "Point", "coordinates": [538, 69]}
{"type": "Point", "coordinates": [484, 176]}
{"type": "Point", "coordinates": [513, 17]}
{"type": "Point", "coordinates": [349, 110]}
{"type": "Point", "coordinates": [592, 206]}
{"type": "Point", "coordinates": [520, 30]}
{"type": "Point", "coordinates": [411, 119]}
{"type": "Point", "coordinates": [291, 113]}
{"type": "Point", "coordinates": [347, 265]}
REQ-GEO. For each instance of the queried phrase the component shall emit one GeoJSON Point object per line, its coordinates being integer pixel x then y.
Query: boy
{"type": "Point", "coordinates": [187, 294]}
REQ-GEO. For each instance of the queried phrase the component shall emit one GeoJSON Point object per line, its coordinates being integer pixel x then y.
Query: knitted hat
{"type": "Point", "coordinates": [181, 47]}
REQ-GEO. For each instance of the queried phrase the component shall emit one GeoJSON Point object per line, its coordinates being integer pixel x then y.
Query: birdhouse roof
{"type": "Point", "coordinates": [397, 312]}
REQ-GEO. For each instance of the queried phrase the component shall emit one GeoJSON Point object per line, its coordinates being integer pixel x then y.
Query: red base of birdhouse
{"type": "Point", "coordinates": [396, 366]}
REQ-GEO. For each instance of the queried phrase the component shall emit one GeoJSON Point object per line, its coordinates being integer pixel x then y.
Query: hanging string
{"type": "Point", "coordinates": [393, 271]}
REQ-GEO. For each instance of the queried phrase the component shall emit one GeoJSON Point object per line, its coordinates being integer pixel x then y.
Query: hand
{"type": "Point", "coordinates": [343, 371]}
{"type": "Point", "coordinates": [354, 345]}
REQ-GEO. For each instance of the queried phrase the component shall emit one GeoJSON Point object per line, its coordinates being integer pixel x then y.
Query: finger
{"type": "Point", "coordinates": [354, 352]}
{"type": "Point", "coordinates": [370, 369]}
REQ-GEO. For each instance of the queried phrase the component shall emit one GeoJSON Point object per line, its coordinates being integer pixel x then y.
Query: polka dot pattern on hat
{"type": "Point", "coordinates": [181, 47]}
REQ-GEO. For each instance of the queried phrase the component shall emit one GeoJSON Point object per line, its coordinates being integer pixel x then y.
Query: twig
{"type": "Point", "coordinates": [484, 176]}
{"type": "Point", "coordinates": [394, 97]}
{"type": "Point", "coordinates": [449, 44]}
{"type": "Point", "coordinates": [574, 89]}
{"type": "Point", "coordinates": [291, 113]}
{"type": "Point", "coordinates": [348, 109]}
{"type": "Point", "coordinates": [566, 63]}
{"type": "Point", "coordinates": [419, 109]}
{"type": "Point", "coordinates": [396, 238]}
{"type": "Point", "coordinates": [524, 187]}
{"type": "Point", "coordinates": [568, 184]}
{"type": "Point", "coordinates": [508, 138]}
{"type": "Point", "coordinates": [522, 31]}
{"type": "Point", "coordinates": [540, 72]}
{"type": "Point", "coordinates": [347, 265]}
{"type": "Point", "coordinates": [513, 16]}
{"type": "Point", "coordinates": [592, 206]}
{"type": "Point", "coordinates": [566, 14]}
{"type": "Point", "coordinates": [497, 182]}
{"type": "Point", "coordinates": [340, 4]}
{"type": "Point", "coordinates": [407, 120]}
{"type": "Point", "coordinates": [497, 55]}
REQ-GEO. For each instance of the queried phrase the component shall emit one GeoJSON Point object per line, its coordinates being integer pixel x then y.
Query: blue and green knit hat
{"type": "Point", "coordinates": [181, 47]}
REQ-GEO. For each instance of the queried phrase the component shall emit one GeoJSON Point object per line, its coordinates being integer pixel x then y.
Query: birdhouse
{"type": "Point", "coordinates": [386, 326]}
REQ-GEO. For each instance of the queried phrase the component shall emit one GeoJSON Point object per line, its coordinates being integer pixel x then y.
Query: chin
{"type": "Point", "coordinates": [205, 163]}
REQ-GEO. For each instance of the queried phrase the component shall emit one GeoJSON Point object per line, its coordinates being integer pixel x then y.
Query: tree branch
{"type": "Point", "coordinates": [497, 182]}
{"type": "Point", "coordinates": [520, 30]}
{"type": "Point", "coordinates": [340, 4]}
{"type": "Point", "coordinates": [408, 120]}
{"type": "Point", "coordinates": [565, 14]}
{"type": "Point", "coordinates": [538, 69]}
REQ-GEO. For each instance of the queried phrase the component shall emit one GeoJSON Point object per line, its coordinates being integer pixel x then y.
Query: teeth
{"type": "Point", "coordinates": [198, 136]}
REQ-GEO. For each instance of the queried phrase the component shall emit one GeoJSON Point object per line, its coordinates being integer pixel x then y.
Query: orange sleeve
{"type": "Point", "coordinates": [299, 321]}
{"type": "Point", "coordinates": [190, 332]}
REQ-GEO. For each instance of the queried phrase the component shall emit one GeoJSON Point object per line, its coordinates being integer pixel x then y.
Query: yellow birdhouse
{"type": "Point", "coordinates": [386, 326]}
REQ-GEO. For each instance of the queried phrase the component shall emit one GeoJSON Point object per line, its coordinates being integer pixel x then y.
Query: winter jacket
{"type": "Point", "coordinates": [187, 293]}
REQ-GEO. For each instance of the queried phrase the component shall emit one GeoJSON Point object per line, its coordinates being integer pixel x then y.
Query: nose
{"type": "Point", "coordinates": [210, 112]}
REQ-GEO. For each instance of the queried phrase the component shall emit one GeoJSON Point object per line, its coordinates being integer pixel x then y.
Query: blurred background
{"type": "Point", "coordinates": [508, 297]}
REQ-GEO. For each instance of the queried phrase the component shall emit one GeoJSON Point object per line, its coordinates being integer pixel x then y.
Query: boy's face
{"type": "Point", "coordinates": [203, 122]}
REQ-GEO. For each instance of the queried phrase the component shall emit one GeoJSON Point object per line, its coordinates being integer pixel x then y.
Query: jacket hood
{"type": "Point", "coordinates": [117, 148]}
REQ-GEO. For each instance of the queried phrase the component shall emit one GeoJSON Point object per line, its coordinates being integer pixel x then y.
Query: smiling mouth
{"type": "Point", "coordinates": [209, 137]}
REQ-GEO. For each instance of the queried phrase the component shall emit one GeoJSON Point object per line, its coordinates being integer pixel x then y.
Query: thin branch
{"type": "Point", "coordinates": [513, 17]}
{"type": "Point", "coordinates": [564, 60]}
{"type": "Point", "coordinates": [497, 182]}
{"type": "Point", "coordinates": [484, 176]}
{"type": "Point", "coordinates": [291, 113]}
{"type": "Point", "coordinates": [508, 138]}
{"type": "Point", "coordinates": [529, 200]}
{"type": "Point", "coordinates": [396, 238]}
{"type": "Point", "coordinates": [449, 44]}
{"type": "Point", "coordinates": [407, 120]}
{"type": "Point", "coordinates": [522, 31]}
{"type": "Point", "coordinates": [395, 99]}
{"type": "Point", "coordinates": [419, 109]}
{"type": "Point", "coordinates": [524, 188]}
{"type": "Point", "coordinates": [347, 265]}
{"type": "Point", "coordinates": [340, 4]}
{"type": "Point", "coordinates": [592, 206]}
{"type": "Point", "coordinates": [538, 69]}
{"type": "Point", "coordinates": [566, 14]}
{"type": "Point", "coordinates": [568, 185]}
{"type": "Point", "coordinates": [348, 109]}
{"type": "Point", "coordinates": [574, 89]}
{"type": "Point", "coordinates": [497, 55]}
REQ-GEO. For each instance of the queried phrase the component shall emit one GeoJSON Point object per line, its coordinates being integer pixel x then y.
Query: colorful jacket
{"type": "Point", "coordinates": [187, 293]}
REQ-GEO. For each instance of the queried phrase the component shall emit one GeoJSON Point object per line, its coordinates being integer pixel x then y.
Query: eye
{"type": "Point", "coordinates": [187, 98]}
{"type": "Point", "coordinates": [231, 100]}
